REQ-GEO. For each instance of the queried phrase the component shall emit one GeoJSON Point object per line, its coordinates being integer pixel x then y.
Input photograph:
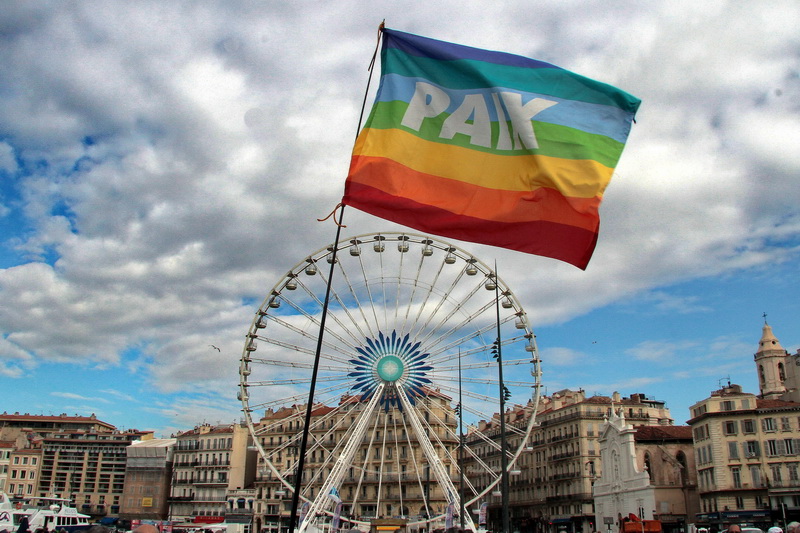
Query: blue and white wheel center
{"type": "Point", "coordinates": [390, 368]}
{"type": "Point", "coordinates": [392, 361]}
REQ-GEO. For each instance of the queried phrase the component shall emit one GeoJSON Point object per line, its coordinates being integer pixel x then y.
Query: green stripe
{"type": "Point", "coordinates": [467, 74]}
{"type": "Point", "coordinates": [554, 140]}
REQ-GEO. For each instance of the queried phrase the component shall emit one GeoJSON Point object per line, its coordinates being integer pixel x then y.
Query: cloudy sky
{"type": "Point", "coordinates": [162, 165]}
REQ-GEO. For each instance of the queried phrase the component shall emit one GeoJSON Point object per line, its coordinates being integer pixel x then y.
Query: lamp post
{"type": "Point", "coordinates": [504, 394]}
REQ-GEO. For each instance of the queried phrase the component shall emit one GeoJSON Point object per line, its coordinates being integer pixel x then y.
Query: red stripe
{"type": "Point", "coordinates": [484, 203]}
{"type": "Point", "coordinates": [550, 239]}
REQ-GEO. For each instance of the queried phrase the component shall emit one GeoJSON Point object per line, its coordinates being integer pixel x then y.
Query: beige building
{"type": "Point", "coordinates": [551, 489]}
{"type": "Point", "coordinates": [24, 472]}
{"type": "Point", "coordinates": [409, 488]}
{"type": "Point", "coordinates": [649, 472]}
{"type": "Point", "coordinates": [87, 467]}
{"type": "Point", "coordinates": [148, 476]}
{"type": "Point", "coordinates": [747, 447]}
{"type": "Point", "coordinates": [208, 463]}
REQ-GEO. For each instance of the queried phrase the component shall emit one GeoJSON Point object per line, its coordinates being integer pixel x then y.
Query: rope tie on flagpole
{"type": "Point", "coordinates": [333, 214]}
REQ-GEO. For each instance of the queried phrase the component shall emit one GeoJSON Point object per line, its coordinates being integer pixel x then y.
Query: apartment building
{"type": "Point", "coordinates": [209, 463]}
{"type": "Point", "coordinates": [148, 477]}
{"type": "Point", "coordinates": [409, 488]}
{"type": "Point", "coordinates": [24, 472]}
{"type": "Point", "coordinates": [87, 467]}
{"type": "Point", "coordinates": [747, 447]}
{"type": "Point", "coordinates": [551, 486]}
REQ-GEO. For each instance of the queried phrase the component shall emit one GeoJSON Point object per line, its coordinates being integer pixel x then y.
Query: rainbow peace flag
{"type": "Point", "coordinates": [488, 147]}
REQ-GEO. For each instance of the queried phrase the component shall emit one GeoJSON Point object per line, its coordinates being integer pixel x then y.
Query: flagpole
{"type": "Point", "coordinates": [503, 393]}
{"type": "Point", "coordinates": [298, 477]}
{"type": "Point", "coordinates": [461, 506]}
{"type": "Point", "coordinates": [309, 408]}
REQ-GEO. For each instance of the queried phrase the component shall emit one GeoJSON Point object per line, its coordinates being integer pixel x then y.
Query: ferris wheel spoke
{"type": "Point", "coordinates": [443, 296]}
{"type": "Point", "coordinates": [483, 364]}
{"type": "Point", "coordinates": [307, 333]}
{"type": "Point", "coordinates": [276, 402]}
{"type": "Point", "coordinates": [414, 287]}
{"type": "Point", "coordinates": [297, 364]}
{"type": "Point", "coordinates": [335, 317]}
{"type": "Point", "coordinates": [300, 349]}
{"type": "Point", "coordinates": [357, 300]}
{"type": "Point", "coordinates": [482, 381]}
{"type": "Point", "coordinates": [458, 307]}
{"type": "Point", "coordinates": [432, 288]}
{"type": "Point", "coordinates": [383, 429]}
{"type": "Point", "coordinates": [441, 356]}
{"type": "Point", "coordinates": [298, 381]}
{"type": "Point", "coordinates": [491, 326]}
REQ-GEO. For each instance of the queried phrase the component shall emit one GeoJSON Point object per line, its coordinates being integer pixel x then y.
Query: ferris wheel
{"type": "Point", "coordinates": [406, 409]}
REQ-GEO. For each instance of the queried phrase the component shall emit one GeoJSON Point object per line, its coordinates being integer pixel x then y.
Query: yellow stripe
{"type": "Point", "coordinates": [580, 178]}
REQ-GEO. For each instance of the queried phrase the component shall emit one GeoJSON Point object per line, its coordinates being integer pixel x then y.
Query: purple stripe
{"type": "Point", "coordinates": [442, 50]}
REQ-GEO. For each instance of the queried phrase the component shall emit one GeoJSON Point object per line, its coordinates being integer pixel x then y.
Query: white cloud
{"type": "Point", "coordinates": [176, 170]}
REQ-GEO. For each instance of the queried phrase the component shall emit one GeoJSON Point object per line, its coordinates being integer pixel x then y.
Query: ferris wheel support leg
{"type": "Point", "coordinates": [344, 461]}
{"type": "Point", "coordinates": [435, 462]}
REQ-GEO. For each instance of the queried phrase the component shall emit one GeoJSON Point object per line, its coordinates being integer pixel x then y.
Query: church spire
{"type": "Point", "coordinates": [770, 362]}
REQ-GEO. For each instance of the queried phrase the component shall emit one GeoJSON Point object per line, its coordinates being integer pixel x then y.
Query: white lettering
{"type": "Point", "coordinates": [471, 117]}
{"type": "Point", "coordinates": [503, 137]}
{"type": "Point", "coordinates": [521, 116]}
{"type": "Point", "coordinates": [479, 131]}
{"type": "Point", "coordinates": [428, 101]}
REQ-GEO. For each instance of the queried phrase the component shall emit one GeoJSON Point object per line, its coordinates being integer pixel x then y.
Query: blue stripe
{"type": "Point", "coordinates": [598, 119]}
{"type": "Point", "coordinates": [426, 47]}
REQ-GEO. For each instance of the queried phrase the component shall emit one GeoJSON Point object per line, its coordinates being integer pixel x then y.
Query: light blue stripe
{"type": "Point", "coordinates": [598, 119]}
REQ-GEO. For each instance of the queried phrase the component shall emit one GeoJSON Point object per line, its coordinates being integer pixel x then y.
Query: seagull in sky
{"type": "Point", "coordinates": [217, 349]}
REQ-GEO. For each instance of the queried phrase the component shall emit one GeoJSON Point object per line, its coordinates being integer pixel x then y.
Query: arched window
{"type": "Point", "coordinates": [781, 372]}
{"type": "Point", "coordinates": [648, 466]}
{"type": "Point", "coordinates": [761, 374]}
{"type": "Point", "coordinates": [682, 471]}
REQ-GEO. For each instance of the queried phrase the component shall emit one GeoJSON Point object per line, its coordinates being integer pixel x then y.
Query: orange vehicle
{"type": "Point", "coordinates": [634, 524]}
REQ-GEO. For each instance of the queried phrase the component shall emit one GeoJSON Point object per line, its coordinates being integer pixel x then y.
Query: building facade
{"type": "Point", "coordinates": [148, 478]}
{"type": "Point", "coordinates": [86, 467]}
{"type": "Point", "coordinates": [24, 473]}
{"type": "Point", "coordinates": [208, 463]}
{"type": "Point", "coordinates": [747, 447]}
{"type": "Point", "coordinates": [551, 489]}
{"type": "Point", "coordinates": [413, 492]}
{"type": "Point", "coordinates": [649, 472]}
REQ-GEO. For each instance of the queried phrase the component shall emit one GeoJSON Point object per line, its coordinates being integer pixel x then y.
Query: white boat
{"type": "Point", "coordinates": [54, 514]}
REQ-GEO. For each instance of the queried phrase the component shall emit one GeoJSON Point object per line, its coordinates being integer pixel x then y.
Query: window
{"type": "Point", "coordinates": [790, 446]}
{"type": "Point", "coordinates": [776, 474]}
{"type": "Point", "coordinates": [727, 405]}
{"type": "Point", "coordinates": [785, 425]}
{"type": "Point", "coordinates": [751, 449]}
{"type": "Point", "coordinates": [768, 424]}
{"type": "Point", "coordinates": [755, 475]}
{"type": "Point", "coordinates": [772, 448]}
{"type": "Point", "coordinates": [748, 426]}
{"type": "Point", "coordinates": [730, 428]}
{"type": "Point", "coordinates": [739, 502]}
{"type": "Point", "coordinates": [733, 450]}
{"type": "Point", "coordinates": [793, 472]}
{"type": "Point", "coordinates": [736, 475]}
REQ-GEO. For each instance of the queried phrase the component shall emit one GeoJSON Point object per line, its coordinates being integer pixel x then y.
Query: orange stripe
{"type": "Point", "coordinates": [550, 239]}
{"type": "Point", "coordinates": [540, 204]}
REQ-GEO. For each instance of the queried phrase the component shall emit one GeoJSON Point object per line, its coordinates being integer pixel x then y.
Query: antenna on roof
{"type": "Point", "coordinates": [726, 378]}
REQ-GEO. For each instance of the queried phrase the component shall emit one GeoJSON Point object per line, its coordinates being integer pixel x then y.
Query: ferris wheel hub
{"type": "Point", "coordinates": [390, 368]}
